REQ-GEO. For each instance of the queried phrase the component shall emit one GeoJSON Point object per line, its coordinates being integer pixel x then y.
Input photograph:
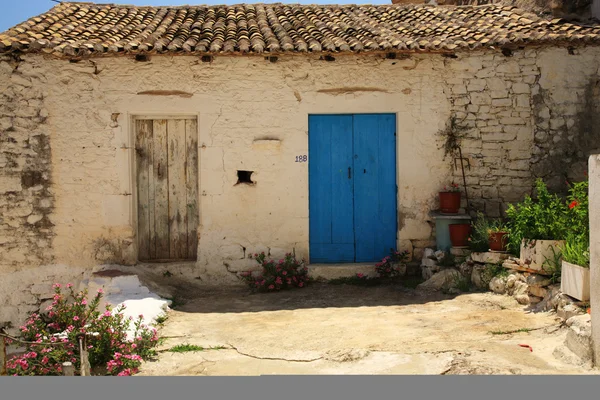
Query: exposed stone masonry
{"type": "Point", "coordinates": [523, 122]}
{"type": "Point", "coordinates": [25, 195]}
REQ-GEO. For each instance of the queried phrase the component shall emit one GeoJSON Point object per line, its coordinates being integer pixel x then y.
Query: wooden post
{"type": "Point", "coordinates": [3, 371]}
{"type": "Point", "coordinates": [83, 358]}
{"type": "Point", "coordinates": [68, 369]}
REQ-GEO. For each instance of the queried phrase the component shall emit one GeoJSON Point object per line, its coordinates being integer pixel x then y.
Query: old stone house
{"type": "Point", "coordinates": [200, 135]}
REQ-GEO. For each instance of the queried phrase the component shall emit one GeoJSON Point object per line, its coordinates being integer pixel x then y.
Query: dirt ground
{"type": "Point", "coordinates": [327, 329]}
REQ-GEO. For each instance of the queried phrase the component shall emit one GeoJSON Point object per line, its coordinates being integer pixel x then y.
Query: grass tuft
{"type": "Point", "coordinates": [186, 348]}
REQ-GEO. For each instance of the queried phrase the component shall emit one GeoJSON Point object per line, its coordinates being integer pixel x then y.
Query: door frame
{"type": "Point", "coordinates": [132, 161]}
{"type": "Point", "coordinates": [397, 173]}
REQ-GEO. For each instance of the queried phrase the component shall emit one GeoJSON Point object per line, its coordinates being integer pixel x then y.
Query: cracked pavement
{"type": "Point", "coordinates": [326, 329]}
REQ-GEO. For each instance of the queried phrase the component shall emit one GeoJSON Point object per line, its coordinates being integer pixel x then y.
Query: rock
{"type": "Point", "coordinates": [510, 282]}
{"type": "Point", "coordinates": [33, 218]}
{"type": "Point", "coordinates": [520, 288]}
{"type": "Point", "coordinates": [534, 299]}
{"type": "Point", "coordinates": [466, 269]}
{"type": "Point", "coordinates": [478, 277]}
{"type": "Point", "coordinates": [568, 311]}
{"type": "Point", "coordinates": [444, 279]}
{"type": "Point", "coordinates": [489, 257]}
{"type": "Point", "coordinates": [428, 262]}
{"type": "Point", "coordinates": [522, 299]}
{"type": "Point", "coordinates": [460, 252]}
{"type": "Point", "coordinates": [579, 336]}
{"type": "Point", "coordinates": [538, 291]}
{"type": "Point", "coordinates": [428, 272]}
{"type": "Point", "coordinates": [547, 303]}
{"type": "Point", "coordinates": [439, 255]}
{"type": "Point", "coordinates": [428, 253]}
{"type": "Point", "coordinates": [538, 280]}
{"type": "Point", "coordinates": [498, 285]}
{"type": "Point", "coordinates": [429, 259]}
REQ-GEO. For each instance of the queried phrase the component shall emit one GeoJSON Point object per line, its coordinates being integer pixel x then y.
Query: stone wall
{"type": "Point", "coordinates": [527, 114]}
{"type": "Point", "coordinates": [567, 116]}
{"type": "Point", "coordinates": [26, 199]}
{"type": "Point", "coordinates": [67, 190]}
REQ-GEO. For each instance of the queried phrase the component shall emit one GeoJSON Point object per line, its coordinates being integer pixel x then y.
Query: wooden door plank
{"type": "Point", "coordinates": [331, 233]}
{"type": "Point", "coordinates": [161, 189]}
{"type": "Point", "coordinates": [375, 186]}
{"type": "Point", "coordinates": [143, 132]}
{"type": "Point", "coordinates": [177, 189]}
{"type": "Point", "coordinates": [151, 193]}
{"type": "Point", "coordinates": [191, 137]}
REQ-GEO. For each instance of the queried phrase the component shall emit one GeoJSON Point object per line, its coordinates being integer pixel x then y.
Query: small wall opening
{"type": "Point", "coordinates": [142, 57]}
{"type": "Point", "coordinates": [245, 177]}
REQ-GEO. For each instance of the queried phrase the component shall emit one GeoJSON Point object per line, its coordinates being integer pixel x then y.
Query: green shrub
{"type": "Point", "coordinates": [287, 273]}
{"type": "Point", "coordinates": [479, 238]}
{"type": "Point", "coordinates": [54, 339]}
{"type": "Point", "coordinates": [545, 218]}
{"type": "Point", "coordinates": [577, 251]}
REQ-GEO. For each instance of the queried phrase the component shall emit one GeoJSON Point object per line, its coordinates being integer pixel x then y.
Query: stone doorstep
{"type": "Point", "coordinates": [489, 257]}
{"type": "Point", "coordinates": [334, 271]}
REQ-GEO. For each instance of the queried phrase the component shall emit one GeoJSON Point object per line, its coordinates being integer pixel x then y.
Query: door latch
{"type": "Point", "coordinates": [349, 173]}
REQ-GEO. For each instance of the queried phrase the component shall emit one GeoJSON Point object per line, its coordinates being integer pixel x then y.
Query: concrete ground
{"type": "Point", "coordinates": [327, 329]}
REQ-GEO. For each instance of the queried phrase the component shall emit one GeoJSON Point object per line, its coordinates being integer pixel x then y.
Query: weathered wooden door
{"type": "Point", "coordinates": [352, 187]}
{"type": "Point", "coordinates": [167, 189]}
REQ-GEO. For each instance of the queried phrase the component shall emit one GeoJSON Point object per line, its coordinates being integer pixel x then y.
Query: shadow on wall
{"type": "Point", "coordinates": [564, 151]}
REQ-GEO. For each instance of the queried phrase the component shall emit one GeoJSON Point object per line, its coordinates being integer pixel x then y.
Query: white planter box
{"type": "Point", "coordinates": [534, 253]}
{"type": "Point", "coordinates": [575, 281]}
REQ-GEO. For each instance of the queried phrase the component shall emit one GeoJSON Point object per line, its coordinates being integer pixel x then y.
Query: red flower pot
{"type": "Point", "coordinates": [498, 241]}
{"type": "Point", "coordinates": [459, 234]}
{"type": "Point", "coordinates": [449, 202]}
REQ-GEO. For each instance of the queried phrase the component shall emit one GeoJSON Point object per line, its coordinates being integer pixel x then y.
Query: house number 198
{"type": "Point", "coordinates": [301, 158]}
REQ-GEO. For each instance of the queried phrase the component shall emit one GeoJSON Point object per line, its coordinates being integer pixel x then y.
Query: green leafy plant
{"type": "Point", "coordinates": [186, 348]}
{"type": "Point", "coordinates": [479, 238]}
{"type": "Point", "coordinates": [284, 274]}
{"type": "Point", "coordinates": [453, 133]}
{"type": "Point", "coordinates": [54, 338]}
{"type": "Point", "coordinates": [545, 218]}
{"type": "Point", "coordinates": [553, 265]}
{"type": "Point", "coordinates": [491, 271]}
{"type": "Point", "coordinates": [461, 282]}
{"type": "Point", "coordinates": [577, 245]}
{"type": "Point", "coordinates": [578, 205]}
{"type": "Point", "coordinates": [577, 251]}
{"type": "Point", "coordinates": [497, 225]}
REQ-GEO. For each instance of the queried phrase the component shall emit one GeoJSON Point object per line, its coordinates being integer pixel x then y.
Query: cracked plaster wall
{"type": "Point", "coordinates": [253, 115]}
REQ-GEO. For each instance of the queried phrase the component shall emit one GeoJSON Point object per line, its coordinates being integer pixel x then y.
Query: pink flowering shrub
{"type": "Point", "coordinates": [287, 272]}
{"type": "Point", "coordinates": [387, 268]}
{"type": "Point", "coordinates": [72, 316]}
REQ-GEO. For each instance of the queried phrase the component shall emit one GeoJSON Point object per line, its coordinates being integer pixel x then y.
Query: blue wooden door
{"type": "Point", "coordinates": [352, 187]}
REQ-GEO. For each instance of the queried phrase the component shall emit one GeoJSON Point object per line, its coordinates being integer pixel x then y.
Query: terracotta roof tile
{"type": "Point", "coordinates": [77, 29]}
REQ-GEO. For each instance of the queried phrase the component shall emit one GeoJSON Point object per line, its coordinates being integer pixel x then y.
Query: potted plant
{"type": "Point", "coordinates": [479, 238]}
{"type": "Point", "coordinates": [450, 199]}
{"type": "Point", "coordinates": [537, 227]}
{"type": "Point", "coordinates": [575, 274]}
{"type": "Point", "coordinates": [459, 234]}
{"type": "Point", "coordinates": [498, 236]}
